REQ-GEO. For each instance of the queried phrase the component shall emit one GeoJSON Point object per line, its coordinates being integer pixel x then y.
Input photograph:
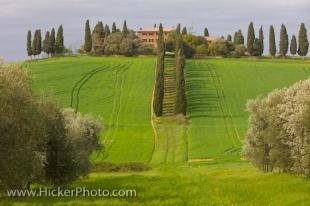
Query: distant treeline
{"type": "Point", "coordinates": [51, 45]}
{"type": "Point", "coordinates": [103, 41]}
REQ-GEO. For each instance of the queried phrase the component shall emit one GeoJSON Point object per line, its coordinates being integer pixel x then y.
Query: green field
{"type": "Point", "coordinates": [217, 93]}
{"type": "Point", "coordinates": [194, 163]}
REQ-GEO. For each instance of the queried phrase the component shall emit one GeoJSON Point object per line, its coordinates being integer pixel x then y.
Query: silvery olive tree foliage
{"type": "Point", "coordinates": [39, 140]}
{"type": "Point", "coordinates": [278, 138]}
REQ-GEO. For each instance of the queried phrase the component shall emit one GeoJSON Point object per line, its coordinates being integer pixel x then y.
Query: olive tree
{"type": "Point", "coordinates": [278, 134]}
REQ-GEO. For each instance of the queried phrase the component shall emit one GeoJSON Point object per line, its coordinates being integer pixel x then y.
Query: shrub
{"type": "Point", "coordinates": [202, 49]}
{"type": "Point", "coordinates": [39, 140]}
{"type": "Point", "coordinates": [21, 130]}
{"type": "Point", "coordinates": [240, 50]}
{"type": "Point", "coordinates": [279, 130]}
{"type": "Point", "coordinates": [219, 48]}
{"type": "Point", "coordinates": [71, 138]}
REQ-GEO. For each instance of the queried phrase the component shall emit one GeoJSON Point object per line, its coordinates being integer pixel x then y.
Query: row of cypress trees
{"type": "Point", "coordinates": [180, 99]}
{"type": "Point", "coordinates": [159, 82]}
{"type": "Point", "coordinates": [301, 49]}
{"type": "Point", "coordinates": [255, 46]}
{"type": "Point", "coordinates": [51, 45]}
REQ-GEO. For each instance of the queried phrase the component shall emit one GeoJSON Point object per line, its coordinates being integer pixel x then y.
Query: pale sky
{"type": "Point", "coordinates": [222, 17]}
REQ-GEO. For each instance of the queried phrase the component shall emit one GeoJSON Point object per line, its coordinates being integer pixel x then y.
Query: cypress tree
{"type": "Point", "coordinates": [46, 43]}
{"type": "Point", "coordinates": [114, 29]}
{"type": "Point", "coordinates": [283, 48]}
{"type": "Point", "coordinates": [261, 41]}
{"type": "Point", "coordinates": [34, 43]}
{"type": "Point", "coordinates": [293, 46]}
{"type": "Point", "coordinates": [39, 43]}
{"type": "Point", "coordinates": [101, 28]}
{"type": "Point", "coordinates": [257, 47]}
{"type": "Point", "coordinates": [107, 31]}
{"type": "Point", "coordinates": [206, 32]}
{"type": "Point", "coordinates": [184, 31]}
{"type": "Point", "coordinates": [303, 43]}
{"type": "Point", "coordinates": [251, 39]}
{"type": "Point", "coordinates": [177, 41]}
{"type": "Point", "coordinates": [159, 84]}
{"type": "Point", "coordinates": [229, 38]}
{"type": "Point", "coordinates": [180, 99]}
{"type": "Point", "coordinates": [125, 29]}
{"type": "Point", "coordinates": [87, 38]}
{"type": "Point", "coordinates": [29, 48]}
{"type": "Point", "coordinates": [59, 44]}
{"type": "Point", "coordinates": [98, 38]}
{"type": "Point", "coordinates": [235, 38]}
{"type": "Point", "coordinates": [238, 38]}
{"type": "Point", "coordinates": [272, 42]}
{"type": "Point", "coordinates": [52, 40]}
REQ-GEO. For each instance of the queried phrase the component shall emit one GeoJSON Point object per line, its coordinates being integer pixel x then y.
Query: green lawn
{"type": "Point", "coordinates": [196, 163]}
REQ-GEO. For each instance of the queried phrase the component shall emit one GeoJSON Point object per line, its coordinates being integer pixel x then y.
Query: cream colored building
{"type": "Point", "coordinates": [150, 34]}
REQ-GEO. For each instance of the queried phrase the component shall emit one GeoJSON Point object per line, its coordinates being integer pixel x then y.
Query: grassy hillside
{"type": "Point", "coordinates": [117, 89]}
{"type": "Point", "coordinates": [217, 91]}
{"type": "Point", "coordinates": [197, 163]}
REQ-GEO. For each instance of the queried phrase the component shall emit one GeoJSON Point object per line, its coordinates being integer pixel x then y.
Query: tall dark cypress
{"type": "Point", "coordinates": [184, 31]}
{"type": "Point", "coordinates": [206, 32]}
{"type": "Point", "coordinates": [36, 43]}
{"type": "Point", "coordinates": [177, 39]}
{"type": "Point", "coordinates": [180, 99]}
{"type": "Point", "coordinates": [159, 82]}
{"type": "Point", "coordinates": [87, 38]}
{"type": "Point", "coordinates": [251, 39]}
{"type": "Point", "coordinates": [98, 38]}
{"type": "Point", "coordinates": [39, 43]}
{"type": "Point", "coordinates": [125, 30]}
{"type": "Point", "coordinates": [256, 47]}
{"type": "Point", "coordinates": [261, 41]}
{"type": "Point", "coordinates": [46, 43]}
{"type": "Point", "coordinates": [283, 48]}
{"type": "Point", "coordinates": [52, 41]}
{"type": "Point", "coordinates": [229, 38]}
{"type": "Point", "coordinates": [272, 42]}
{"type": "Point", "coordinates": [293, 46]}
{"type": "Point", "coordinates": [107, 31]}
{"type": "Point", "coordinates": [303, 43]}
{"type": "Point", "coordinates": [238, 38]}
{"type": "Point", "coordinates": [59, 44]}
{"type": "Point", "coordinates": [114, 29]}
{"type": "Point", "coordinates": [241, 37]}
{"type": "Point", "coordinates": [29, 48]}
{"type": "Point", "coordinates": [235, 38]}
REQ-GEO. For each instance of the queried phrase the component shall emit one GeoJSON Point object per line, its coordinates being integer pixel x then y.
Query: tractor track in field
{"type": "Point", "coordinates": [114, 117]}
{"type": "Point", "coordinates": [79, 84]}
{"type": "Point", "coordinates": [220, 103]}
{"type": "Point", "coordinates": [220, 95]}
{"type": "Point", "coordinates": [227, 115]}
